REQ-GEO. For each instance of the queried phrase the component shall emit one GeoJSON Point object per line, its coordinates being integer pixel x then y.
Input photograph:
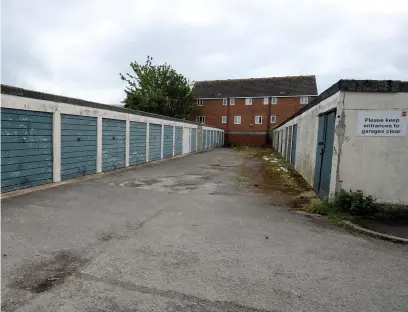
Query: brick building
{"type": "Point", "coordinates": [248, 108]}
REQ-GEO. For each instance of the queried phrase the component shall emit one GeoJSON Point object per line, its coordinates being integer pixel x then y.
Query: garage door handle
{"type": "Point", "coordinates": [113, 138]}
{"type": "Point", "coordinates": [79, 139]}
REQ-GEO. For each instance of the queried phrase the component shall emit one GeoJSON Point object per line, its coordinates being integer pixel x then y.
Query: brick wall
{"type": "Point", "coordinates": [213, 109]}
{"type": "Point", "coordinates": [247, 138]}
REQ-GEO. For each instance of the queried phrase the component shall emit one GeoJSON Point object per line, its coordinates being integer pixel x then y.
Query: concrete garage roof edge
{"type": "Point", "coordinates": [350, 85]}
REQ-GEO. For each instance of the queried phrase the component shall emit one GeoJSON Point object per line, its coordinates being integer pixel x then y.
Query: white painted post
{"type": "Point", "coordinates": [174, 138]}
{"type": "Point", "coordinates": [127, 141]}
{"type": "Point", "coordinates": [147, 141]}
{"type": "Point", "coordinates": [99, 145]}
{"type": "Point", "coordinates": [197, 139]}
{"type": "Point", "coordinates": [162, 141]}
{"type": "Point", "coordinates": [56, 146]}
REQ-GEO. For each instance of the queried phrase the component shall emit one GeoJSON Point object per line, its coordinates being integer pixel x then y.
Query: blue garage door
{"type": "Point", "coordinates": [26, 149]}
{"type": "Point", "coordinates": [113, 144]}
{"type": "Point", "coordinates": [168, 141]}
{"type": "Point", "coordinates": [137, 142]}
{"type": "Point", "coordinates": [204, 140]}
{"type": "Point", "coordinates": [178, 148]}
{"type": "Point", "coordinates": [155, 142]}
{"type": "Point", "coordinates": [78, 146]}
{"type": "Point", "coordinates": [193, 140]}
{"type": "Point", "coordinates": [211, 138]}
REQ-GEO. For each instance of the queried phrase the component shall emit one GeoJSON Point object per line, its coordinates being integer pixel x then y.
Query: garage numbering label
{"type": "Point", "coordinates": [382, 123]}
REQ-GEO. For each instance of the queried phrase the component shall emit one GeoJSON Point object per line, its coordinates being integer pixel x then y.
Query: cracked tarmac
{"type": "Point", "coordinates": [179, 236]}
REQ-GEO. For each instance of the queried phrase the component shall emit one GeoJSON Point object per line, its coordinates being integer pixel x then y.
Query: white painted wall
{"type": "Point", "coordinates": [376, 165]}
{"type": "Point", "coordinates": [186, 141]}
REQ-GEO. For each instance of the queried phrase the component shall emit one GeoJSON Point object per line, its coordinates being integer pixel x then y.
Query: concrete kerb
{"type": "Point", "coordinates": [16, 193]}
{"type": "Point", "coordinates": [357, 228]}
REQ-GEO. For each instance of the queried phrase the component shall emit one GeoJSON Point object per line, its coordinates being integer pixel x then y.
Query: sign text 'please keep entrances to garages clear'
{"type": "Point", "coordinates": [382, 123]}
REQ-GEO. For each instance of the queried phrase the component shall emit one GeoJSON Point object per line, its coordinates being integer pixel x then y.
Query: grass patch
{"type": "Point", "coordinates": [282, 175]}
{"type": "Point", "coordinates": [354, 206]}
{"type": "Point", "coordinates": [325, 207]}
{"type": "Point", "coordinates": [250, 152]}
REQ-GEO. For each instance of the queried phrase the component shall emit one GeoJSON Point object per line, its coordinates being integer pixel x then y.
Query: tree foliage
{"type": "Point", "coordinates": [158, 89]}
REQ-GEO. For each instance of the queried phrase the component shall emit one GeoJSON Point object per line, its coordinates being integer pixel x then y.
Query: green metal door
{"type": "Point", "coordinates": [324, 153]}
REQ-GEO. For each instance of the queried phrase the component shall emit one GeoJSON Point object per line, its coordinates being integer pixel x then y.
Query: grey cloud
{"type": "Point", "coordinates": [250, 39]}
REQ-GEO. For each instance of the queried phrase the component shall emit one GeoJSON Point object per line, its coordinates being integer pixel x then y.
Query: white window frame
{"type": "Point", "coordinates": [248, 101]}
{"type": "Point", "coordinates": [266, 100]}
{"type": "Point", "coordinates": [223, 119]}
{"type": "Point", "coordinates": [198, 120]}
{"type": "Point", "coordinates": [199, 102]}
{"type": "Point", "coordinates": [273, 119]}
{"type": "Point", "coordinates": [304, 100]}
{"type": "Point", "coordinates": [224, 101]}
{"type": "Point", "coordinates": [274, 100]}
{"type": "Point", "coordinates": [236, 120]}
{"type": "Point", "coordinates": [256, 122]}
{"type": "Point", "coordinates": [232, 101]}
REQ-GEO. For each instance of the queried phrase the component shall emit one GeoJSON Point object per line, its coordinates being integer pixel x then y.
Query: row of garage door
{"type": "Point", "coordinates": [27, 146]}
{"type": "Point", "coordinates": [211, 138]}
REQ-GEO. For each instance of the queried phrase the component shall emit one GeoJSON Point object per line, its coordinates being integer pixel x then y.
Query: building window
{"type": "Point", "coordinates": [224, 119]}
{"type": "Point", "coordinates": [266, 101]}
{"type": "Point", "coordinates": [232, 101]}
{"type": "Point", "coordinates": [258, 120]}
{"type": "Point", "coordinates": [274, 100]}
{"type": "Point", "coordinates": [304, 100]}
{"type": "Point", "coordinates": [273, 119]}
{"type": "Point", "coordinates": [224, 101]}
{"type": "Point", "coordinates": [199, 102]}
{"type": "Point", "coordinates": [200, 119]}
{"type": "Point", "coordinates": [237, 120]}
{"type": "Point", "coordinates": [248, 101]}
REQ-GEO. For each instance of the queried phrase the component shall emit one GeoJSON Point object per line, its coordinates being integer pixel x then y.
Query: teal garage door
{"type": "Point", "coordinates": [78, 146]}
{"type": "Point", "coordinates": [113, 144]}
{"type": "Point", "coordinates": [137, 142]}
{"type": "Point", "coordinates": [26, 149]}
{"type": "Point", "coordinates": [211, 138]}
{"type": "Point", "coordinates": [204, 140]}
{"type": "Point", "coordinates": [155, 142]}
{"type": "Point", "coordinates": [193, 140]}
{"type": "Point", "coordinates": [178, 143]}
{"type": "Point", "coordinates": [168, 141]}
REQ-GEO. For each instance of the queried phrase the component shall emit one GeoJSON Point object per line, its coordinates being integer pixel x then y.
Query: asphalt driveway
{"type": "Point", "coordinates": [181, 235]}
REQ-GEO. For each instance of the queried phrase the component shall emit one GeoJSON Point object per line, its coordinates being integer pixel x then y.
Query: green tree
{"type": "Point", "coordinates": [158, 89]}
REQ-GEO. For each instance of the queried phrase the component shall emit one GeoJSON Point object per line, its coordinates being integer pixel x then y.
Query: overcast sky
{"type": "Point", "coordinates": [77, 48]}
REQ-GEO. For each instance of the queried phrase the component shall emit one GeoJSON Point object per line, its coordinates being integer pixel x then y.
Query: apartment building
{"type": "Point", "coordinates": [248, 108]}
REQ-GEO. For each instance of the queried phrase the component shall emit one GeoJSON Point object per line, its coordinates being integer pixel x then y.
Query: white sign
{"type": "Point", "coordinates": [382, 123]}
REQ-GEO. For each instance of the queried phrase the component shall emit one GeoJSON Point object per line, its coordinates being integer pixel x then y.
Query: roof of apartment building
{"type": "Point", "coordinates": [257, 87]}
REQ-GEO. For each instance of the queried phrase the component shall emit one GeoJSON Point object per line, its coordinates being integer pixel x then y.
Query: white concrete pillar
{"type": "Point", "coordinates": [99, 145]}
{"type": "Point", "coordinates": [56, 146]}
{"type": "Point", "coordinates": [174, 139]}
{"type": "Point", "coordinates": [162, 141]}
{"type": "Point", "coordinates": [127, 141]}
{"type": "Point", "coordinates": [147, 140]}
